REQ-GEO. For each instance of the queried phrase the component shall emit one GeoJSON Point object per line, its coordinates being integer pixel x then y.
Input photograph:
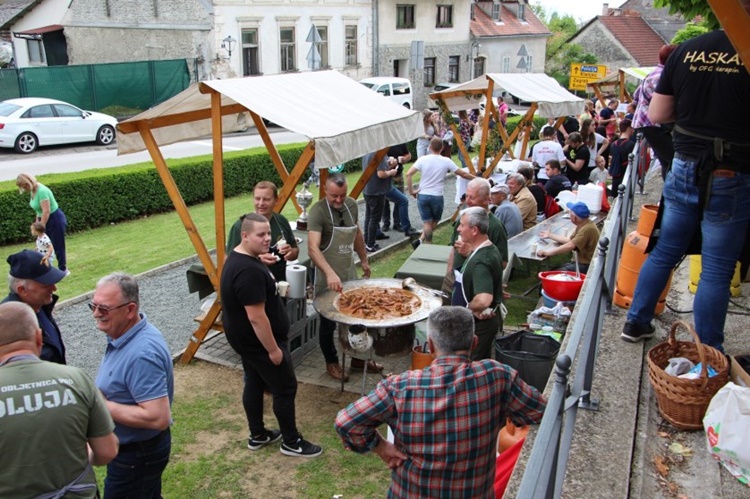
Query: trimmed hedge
{"type": "Point", "coordinates": [93, 199]}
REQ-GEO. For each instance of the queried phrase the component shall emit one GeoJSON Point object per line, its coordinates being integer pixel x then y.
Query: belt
{"type": "Point", "coordinates": [685, 157]}
{"type": "Point", "coordinates": [144, 444]}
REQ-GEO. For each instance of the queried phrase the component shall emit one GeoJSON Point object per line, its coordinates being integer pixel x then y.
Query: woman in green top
{"type": "Point", "coordinates": [43, 202]}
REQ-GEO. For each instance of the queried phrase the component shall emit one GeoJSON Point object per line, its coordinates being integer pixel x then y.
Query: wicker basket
{"type": "Point", "coordinates": [683, 402]}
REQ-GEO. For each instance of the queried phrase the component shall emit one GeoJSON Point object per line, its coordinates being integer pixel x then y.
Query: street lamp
{"type": "Point", "coordinates": [228, 44]}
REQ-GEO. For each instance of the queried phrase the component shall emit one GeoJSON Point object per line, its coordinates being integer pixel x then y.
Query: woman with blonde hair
{"type": "Point", "coordinates": [43, 202]}
{"type": "Point", "coordinates": [431, 129]}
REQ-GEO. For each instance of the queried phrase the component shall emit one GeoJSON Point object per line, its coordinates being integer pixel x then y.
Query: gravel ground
{"type": "Point", "coordinates": [167, 303]}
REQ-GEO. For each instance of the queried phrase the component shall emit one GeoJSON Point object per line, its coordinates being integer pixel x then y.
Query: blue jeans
{"type": "Point", "coordinates": [136, 473]}
{"type": "Point", "coordinates": [725, 221]}
{"type": "Point", "coordinates": [400, 207]}
{"type": "Point", "coordinates": [430, 207]}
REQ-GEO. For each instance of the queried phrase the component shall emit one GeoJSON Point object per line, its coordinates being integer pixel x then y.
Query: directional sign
{"type": "Point", "coordinates": [578, 83]}
{"type": "Point", "coordinates": [313, 35]}
{"type": "Point", "coordinates": [591, 71]}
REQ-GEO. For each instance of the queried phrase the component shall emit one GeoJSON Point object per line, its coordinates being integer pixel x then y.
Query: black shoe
{"type": "Point", "coordinates": [371, 249]}
{"type": "Point", "coordinates": [300, 448]}
{"type": "Point", "coordinates": [411, 232]}
{"type": "Point", "coordinates": [415, 243]}
{"type": "Point", "coordinates": [386, 228]}
{"type": "Point", "coordinates": [634, 332]}
{"type": "Point", "coordinates": [397, 228]}
{"type": "Point", "coordinates": [271, 436]}
{"type": "Point", "coordinates": [381, 236]}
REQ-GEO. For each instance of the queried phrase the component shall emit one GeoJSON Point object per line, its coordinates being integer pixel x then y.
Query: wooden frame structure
{"type": "Point", "coordinates": [290, 178]}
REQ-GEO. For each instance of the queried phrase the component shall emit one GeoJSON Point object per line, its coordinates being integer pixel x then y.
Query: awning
{"type": "Point", "coordinates": [614, 78]}
{"type": "Point", "coordinates": [345, 119]}
{"type": "Point", "coordinates": [39, 31]}
{"type": "Point", "coordinates": [553, 99]}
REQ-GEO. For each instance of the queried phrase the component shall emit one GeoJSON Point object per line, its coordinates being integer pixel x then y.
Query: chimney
{"type": "Point", "coordinates": [605, 9]}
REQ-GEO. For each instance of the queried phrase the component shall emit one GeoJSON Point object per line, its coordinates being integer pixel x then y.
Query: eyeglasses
{"type": "Point", "coordinates": [105, 310]}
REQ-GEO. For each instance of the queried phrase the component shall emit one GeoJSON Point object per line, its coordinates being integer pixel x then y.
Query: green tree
{"type": "Point", "coordinates": [690, 30]}
{"type": "Point", "coordinates": [690, 9]}
{"type": "Point", "coordinates": [562, 29]}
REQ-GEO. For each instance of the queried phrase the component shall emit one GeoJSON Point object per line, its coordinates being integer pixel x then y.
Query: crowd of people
{"type": "Point", "coordinates": [445, 419]}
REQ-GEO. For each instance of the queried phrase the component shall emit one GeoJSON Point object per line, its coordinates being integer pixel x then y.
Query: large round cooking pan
{"type": "Point", "coordinates": [327, 303]}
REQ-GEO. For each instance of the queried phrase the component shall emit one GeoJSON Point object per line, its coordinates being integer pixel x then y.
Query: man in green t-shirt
{"type": "Point", "coordinates": [50, 414]}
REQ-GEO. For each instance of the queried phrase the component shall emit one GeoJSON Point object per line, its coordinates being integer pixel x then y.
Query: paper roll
{"type": "Point", "coordinates": [296, 276]}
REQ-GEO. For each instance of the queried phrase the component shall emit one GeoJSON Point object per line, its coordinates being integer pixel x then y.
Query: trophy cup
{"type": "Point", "coordinates": [304, 199]}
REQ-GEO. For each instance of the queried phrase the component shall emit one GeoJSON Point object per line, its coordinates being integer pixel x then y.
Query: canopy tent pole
{"type": "Point", "coordinates": [486, 123]}
{"type": "Point", "coordinates": [290, 182]}
{"type": "Point", "coordinates": [462, 151]}
{"type": "Point", "coordinates": [733, 17]}
{"type": "Point", "coordinates": [273, 153]}
{"type": "Point", "coordinates": [372, 167]}
{"type": "Point", "coordinates": [218, 171]}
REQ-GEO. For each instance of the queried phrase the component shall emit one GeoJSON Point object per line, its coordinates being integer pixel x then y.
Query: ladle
{"type": "Point", "coordinates": [410, 283]}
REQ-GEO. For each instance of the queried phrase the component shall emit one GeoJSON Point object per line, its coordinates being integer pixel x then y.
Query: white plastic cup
{"type": "Point", "coordinates": [283, 288]}
{"type": "Point", "coordinates": [533, 249]}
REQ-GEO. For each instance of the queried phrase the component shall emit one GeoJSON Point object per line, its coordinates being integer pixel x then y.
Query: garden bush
{"type": "Point", "coordinates": [96, 197]}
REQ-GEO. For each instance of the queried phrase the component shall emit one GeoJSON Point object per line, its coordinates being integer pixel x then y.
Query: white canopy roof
{"type": "Point", "coordinates": [553, 99]}
{"type": "Point", "coordinates": [344, 118]}
{"type": "Point", "coordinates": [639, 73]}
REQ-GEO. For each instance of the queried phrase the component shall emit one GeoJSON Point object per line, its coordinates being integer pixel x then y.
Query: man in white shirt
{"type": "Point", "coordinates": [546, 149]}
{"type": "Point", "coordinates": [433, 168]}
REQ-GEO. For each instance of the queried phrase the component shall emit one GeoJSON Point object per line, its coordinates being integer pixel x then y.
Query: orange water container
{"type": "Point", "coordinates": [633, 256]}
{"type": "Point", "coordinates": [509, 435]}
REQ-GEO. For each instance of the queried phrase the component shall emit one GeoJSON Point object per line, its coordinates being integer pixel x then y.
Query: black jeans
{"type": "Point", "coordinates": [325, 335]}
{"type": "Point", "coordinates": [261, 374]}
{"type": "Point", "coordinates": [373, 212]}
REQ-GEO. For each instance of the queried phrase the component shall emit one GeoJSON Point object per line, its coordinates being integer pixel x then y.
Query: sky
{"type": "Point", "coordinates": [581, 10]}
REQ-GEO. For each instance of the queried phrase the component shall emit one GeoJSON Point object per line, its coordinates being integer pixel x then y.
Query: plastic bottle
{"type": "Point", "coordinates": [575, 187]}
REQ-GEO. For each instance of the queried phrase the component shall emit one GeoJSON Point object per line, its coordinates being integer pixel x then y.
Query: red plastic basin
{"type": "Point", "coordinates": [561, 288]}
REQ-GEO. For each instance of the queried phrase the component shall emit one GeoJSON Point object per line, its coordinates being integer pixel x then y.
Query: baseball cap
{"type": "Point", "coordinates": [580, 209]}
{"type": "Point", "coordinates": [28, 265]}
{"type": "Point", "coordinates": [500, 188]}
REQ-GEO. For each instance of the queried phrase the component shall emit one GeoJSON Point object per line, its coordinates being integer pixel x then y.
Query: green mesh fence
{"type": "Point", "coordinates": [137, 85]}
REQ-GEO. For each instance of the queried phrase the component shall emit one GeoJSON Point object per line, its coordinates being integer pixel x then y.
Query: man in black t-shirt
{"type": "Point", "coordinates": [557, 181]}
{"type": "Point", "coordinates": [704, 90]}
{"type": "Point", "coordinates": [577, 159]}
{"type": "Point", "coordinates": [256, 325]}
{"type": "Point", "coordinates": [396, 195]}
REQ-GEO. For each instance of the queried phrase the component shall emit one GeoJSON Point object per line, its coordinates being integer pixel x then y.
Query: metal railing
{"type": "Point", "coordinates": [547, 463]}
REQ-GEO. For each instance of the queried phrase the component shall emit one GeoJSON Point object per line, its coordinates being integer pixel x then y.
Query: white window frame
{"type": "Point", "coordinates": [351, 45]}
{"type": "Point", "coordinates": [506, 64]}
{"type": "Point", "coordinates": [454, 61]}
{"type": "Point", "coordinates": [246, 46]}
{"type": "Point", "coordinates": [287, 50]}
{"type": "Point", "coordinates": [36, 47]}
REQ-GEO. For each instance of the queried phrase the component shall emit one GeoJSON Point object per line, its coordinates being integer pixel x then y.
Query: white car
{"type": "Point", "coordinates": [30, 122]}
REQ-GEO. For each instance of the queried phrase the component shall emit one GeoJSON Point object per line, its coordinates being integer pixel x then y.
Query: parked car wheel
{"type": "Point", "coordinates": [26, 143]}
{"type": "Point", "coordinates": [105, 135]}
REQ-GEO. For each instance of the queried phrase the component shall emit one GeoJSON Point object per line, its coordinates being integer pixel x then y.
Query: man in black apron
{"type": "Point", "coordinates": [333, 237]}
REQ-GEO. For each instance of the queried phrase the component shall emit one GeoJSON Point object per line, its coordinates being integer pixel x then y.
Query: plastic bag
{"type": "Point", "coordinates": [727, 425]}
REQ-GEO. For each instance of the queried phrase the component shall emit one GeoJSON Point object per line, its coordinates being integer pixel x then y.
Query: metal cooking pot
{"type": "Point", "coordinates": [394, 341]}
{"type": "Point", "coordinates": [326, 304]}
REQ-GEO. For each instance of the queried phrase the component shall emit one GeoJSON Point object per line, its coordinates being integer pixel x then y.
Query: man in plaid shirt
{"type": "Point", "coordinates": [445, 418]}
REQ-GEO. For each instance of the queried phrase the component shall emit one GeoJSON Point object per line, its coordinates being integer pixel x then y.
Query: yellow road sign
{"type": "Point", "coordinates": [577, 83]}
{"type": "Point", "coordinates": [589, 71]}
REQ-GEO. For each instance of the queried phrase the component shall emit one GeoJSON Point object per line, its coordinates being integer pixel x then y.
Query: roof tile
{"type": "Point", "coordinates": [484, 26]}
{"type": "Point", "coordinates": [636, 36]}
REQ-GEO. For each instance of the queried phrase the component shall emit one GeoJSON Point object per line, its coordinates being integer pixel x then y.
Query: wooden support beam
{"type": "Point", "coordinates": [218, 154]}
{"type": "Point", "coordinates": [293, 179]}
{"type": "Point", "coordinates": [273, 153]}
{"type": "Point", "coordinates": [178, 119]}
{"type": "Point", "coordinates": [179, 204]}
{"type": "Point", "coordinates": [199, 335]}
{"type": "Point", "coordinates": [456, 93]}
{"type": "Point", "coordinates": [459, 141]}
{"type": "Point", "coordinates": [486, 123]}
{"type": "Point", "coordinates": [323, 179]}
{"type": "Point", "coordinates": [735, 19]}
{"type": "Point", "coordinates": [368, 172]}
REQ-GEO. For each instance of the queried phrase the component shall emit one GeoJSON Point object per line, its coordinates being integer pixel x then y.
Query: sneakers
{"type": "Point", "coordinates": [335, 371]}
{"type": "Point", "coordinates": [381, 236]}
{"type": "Point", "coordinates": [372, 249]}
{"type": "Point", "coordinates": [415, 243]}
{"type": "Point", "coordinates": [385, 228]}
{"type": "Point", "coordinates": [397, 228]}
{"type": "Point", "coordinates": [301, 448]}
{"type": "Point", "coordinates": [411, 232]}
{"type": "Point", "coordinates": [635, 332]}
{"type": "Point", "coordinates": [256, 443]}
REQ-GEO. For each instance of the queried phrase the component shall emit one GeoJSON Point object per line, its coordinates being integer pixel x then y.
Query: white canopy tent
{"type": "Point", "coordinates": [618, 80]}
{"type": "Point", "coordinates": [546, 95]}
{"type": "Point", "coordinates": [343, 118]}
{"type": "Point", "coordinates": [551, 98]}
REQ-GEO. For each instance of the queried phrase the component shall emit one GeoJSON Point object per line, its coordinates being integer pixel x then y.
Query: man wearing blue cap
{"type": "Point", "coordinates": [33, 282]}
{"type": "Point", "coordinates": [583, 240]}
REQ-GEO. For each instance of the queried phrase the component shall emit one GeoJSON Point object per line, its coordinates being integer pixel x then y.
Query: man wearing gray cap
{"type": "Point", "coordinates": [34, 283]}
{"type": "Point", "coordinates": [508, 213]}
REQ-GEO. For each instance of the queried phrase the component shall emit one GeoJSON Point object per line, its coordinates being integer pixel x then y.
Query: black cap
{"type": "Point", "coordinates": [28, 265]}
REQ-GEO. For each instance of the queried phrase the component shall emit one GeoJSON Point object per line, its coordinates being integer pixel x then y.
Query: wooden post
{"type": "Point", "coordinates": [734, 18]}
{"type": "Point", "coordinates": [368, 172]}
{"type": "Point", "coordinates": [179, 203]}
{"type": "Point", "coordinates": [293, 178]}
{"type": "Point", "coordinates": [486, 124]}
{"type": "Point", "coordinates": [461, 146]}
{"type": "Point", "coordinates": [218, 170]}
{"type": "Point", "coordinates": [199, 335]}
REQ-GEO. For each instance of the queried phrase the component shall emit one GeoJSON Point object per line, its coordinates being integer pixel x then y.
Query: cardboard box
{"type": "Point", "coordinates": [738, 375]}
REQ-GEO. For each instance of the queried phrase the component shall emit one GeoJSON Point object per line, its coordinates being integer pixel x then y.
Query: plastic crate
{"type": "Point", "coordinates": [296, 308]}
{"type": "Point", "coordinates": [303, 337]}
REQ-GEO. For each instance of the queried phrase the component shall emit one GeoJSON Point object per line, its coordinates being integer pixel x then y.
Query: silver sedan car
{"type": "Point", "coordinates": [30, 122]}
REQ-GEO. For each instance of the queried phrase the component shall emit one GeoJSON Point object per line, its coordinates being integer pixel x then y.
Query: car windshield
{"type": "Point", "coordinates": [6, 108]}
{"type": "Point", "coordinates": [368, 85]}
